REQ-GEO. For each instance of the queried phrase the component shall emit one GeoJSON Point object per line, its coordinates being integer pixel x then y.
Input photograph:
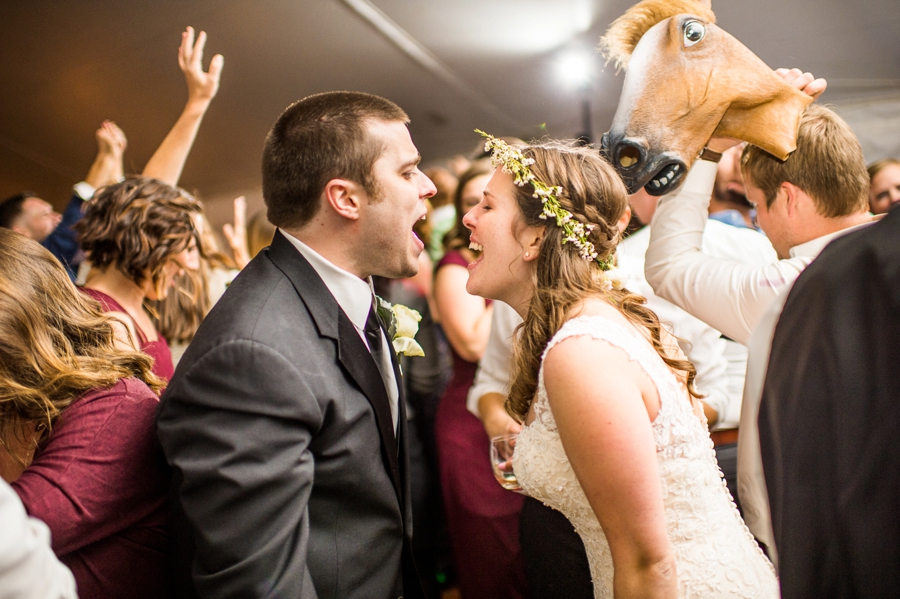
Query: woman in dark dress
{"type": "Point", "coordinates": [138, 235]}
{"type": "Point", "coordinates": [482, 517]}
{"type": "Point", "coordinates": [77, 441]}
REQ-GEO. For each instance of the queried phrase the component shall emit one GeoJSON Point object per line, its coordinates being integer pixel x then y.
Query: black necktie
{"type": "Point", "coordinates": [375, 338]}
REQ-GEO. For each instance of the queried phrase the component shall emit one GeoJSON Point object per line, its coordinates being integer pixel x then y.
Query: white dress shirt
{"type": "Point", "coordinates": [355, 297]}
{"type": "Point", "coordinates": [720, 368]}
{"type": "Point", "coordinates": [28, 567]}
{"type": "Point", "coordinates": [751, 479]}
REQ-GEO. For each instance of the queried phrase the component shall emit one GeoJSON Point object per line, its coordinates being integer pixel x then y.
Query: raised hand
{"type": "Point", "coordinates": [202, 86]}
{"type": "Point", "coordinates": [237, 234]}
{"type": "Point", "coordinates": [111, 139]}
{"type": "Point", "coordinates": [107, 166]}
{"type": "Point", "coordinates": [805, 82]}
{"type": "Point", "coordinates": [168, 161]}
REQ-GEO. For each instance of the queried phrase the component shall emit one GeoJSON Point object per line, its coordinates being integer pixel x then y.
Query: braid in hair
{"type": "Point", "coordinates": [594, 194]}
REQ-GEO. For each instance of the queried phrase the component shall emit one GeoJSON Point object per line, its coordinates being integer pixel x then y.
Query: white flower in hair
{"type": "Point", "coordinates": [513, 162]}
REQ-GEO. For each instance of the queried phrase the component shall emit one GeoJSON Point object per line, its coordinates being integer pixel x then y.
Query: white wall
{"type": "Point", "coordinates": [876, 123]}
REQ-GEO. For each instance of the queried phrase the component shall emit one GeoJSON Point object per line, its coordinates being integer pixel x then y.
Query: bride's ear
{"type": "Point", "coordinates": [532, 243]}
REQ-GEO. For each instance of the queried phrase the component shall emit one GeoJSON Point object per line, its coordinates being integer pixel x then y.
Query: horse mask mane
{"type": "Point", "coordinates": [686, 80]}
{"type": "Point", "coordinates": [625, 32]}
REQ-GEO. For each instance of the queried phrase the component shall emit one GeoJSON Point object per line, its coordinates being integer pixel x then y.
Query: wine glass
{"type": "Point", "coordinates": [502, 449]}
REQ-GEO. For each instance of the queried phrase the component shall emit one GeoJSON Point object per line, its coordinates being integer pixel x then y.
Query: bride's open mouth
{"type": "Point", "coordinates": [477, 247]}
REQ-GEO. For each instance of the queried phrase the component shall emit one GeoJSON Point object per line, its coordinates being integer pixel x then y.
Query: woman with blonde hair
{"type": "Point", "coordinates": [139, 235]}
{"type": "Point", "coordinates": [76, 428]}
{"type": "Point", "coordinates": [613, 433]}
{"type": "Point", "coordinates": [884, 181]}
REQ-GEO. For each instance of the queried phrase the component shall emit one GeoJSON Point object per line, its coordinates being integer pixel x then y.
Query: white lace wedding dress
{"type": "Point", "coordinates": [716, 555]}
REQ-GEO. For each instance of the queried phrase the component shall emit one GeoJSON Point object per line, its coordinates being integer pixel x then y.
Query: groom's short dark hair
{"type": "Point", "coordinates": [317, 139]}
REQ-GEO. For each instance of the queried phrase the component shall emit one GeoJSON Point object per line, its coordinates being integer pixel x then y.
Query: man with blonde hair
{"type": "Point", "coordinates": [819, 193]}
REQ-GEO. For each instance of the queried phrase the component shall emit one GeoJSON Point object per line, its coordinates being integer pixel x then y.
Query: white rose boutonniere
{"type": "Point", "coordinates": [403, 324]}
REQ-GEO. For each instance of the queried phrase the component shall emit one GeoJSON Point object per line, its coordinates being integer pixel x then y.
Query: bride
{"type": "Point", "coordinates": [614, 435]}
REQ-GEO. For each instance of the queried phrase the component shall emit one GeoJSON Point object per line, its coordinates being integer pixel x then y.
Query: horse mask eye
{"type": "Point", "coordinates": [693, 33]}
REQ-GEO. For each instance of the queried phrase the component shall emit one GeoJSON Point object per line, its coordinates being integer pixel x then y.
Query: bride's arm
{"type": "Point", "coordinates": [606, 432]}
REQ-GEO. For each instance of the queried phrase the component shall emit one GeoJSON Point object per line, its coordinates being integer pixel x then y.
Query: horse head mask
{"type": "Point", "coordinates": [687, 80]}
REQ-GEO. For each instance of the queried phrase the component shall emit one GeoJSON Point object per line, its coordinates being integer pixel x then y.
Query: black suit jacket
{"type": "Point", "coordinates": [288, 480]}
{"type": "Point", "coordinates": [829, 421]}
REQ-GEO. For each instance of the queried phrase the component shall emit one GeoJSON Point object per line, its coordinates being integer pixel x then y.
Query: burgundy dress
{"type": "Point", "coordinates": [158, 350]}
{"type": "Point", "coordinates": [100, 483]}
{"type": "Point", "coordinates": [482, 517]}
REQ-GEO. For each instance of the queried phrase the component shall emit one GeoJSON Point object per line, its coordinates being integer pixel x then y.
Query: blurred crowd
{"type": "Point", "coordinates": [98, 304]}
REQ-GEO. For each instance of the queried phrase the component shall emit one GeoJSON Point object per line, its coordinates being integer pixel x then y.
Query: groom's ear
{"type": "Point", "coordinates": [343, 197]}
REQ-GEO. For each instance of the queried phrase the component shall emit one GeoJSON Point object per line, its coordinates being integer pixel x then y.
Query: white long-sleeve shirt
{"type": "Point", "coordinates": [729, 295]}
{"type": "Point", "coordinates": [28, 567]}
{"type": "Point", "coordinates": [720, 364]}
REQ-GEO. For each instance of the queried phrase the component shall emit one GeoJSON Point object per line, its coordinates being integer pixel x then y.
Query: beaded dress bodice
{"type": "Point", "coordinates": [716, 556]}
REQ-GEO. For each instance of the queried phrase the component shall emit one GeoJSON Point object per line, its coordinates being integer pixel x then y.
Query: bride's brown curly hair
{"type": "Point", "coordinates": [55, 343]}
{"type": "Point", "coordinates": [594, 193]}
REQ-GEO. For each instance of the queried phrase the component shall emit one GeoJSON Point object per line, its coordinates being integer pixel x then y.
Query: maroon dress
{"type": "Point", "coordinates": [158, 350]}
{"type": "Point", "coordinates": [100, 484]}
{"type": "Point", "coordinates": [482, 517]}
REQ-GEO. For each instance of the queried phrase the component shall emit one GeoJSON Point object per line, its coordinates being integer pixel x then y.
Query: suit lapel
{"type": "Point", "coordinates": [353, 354]}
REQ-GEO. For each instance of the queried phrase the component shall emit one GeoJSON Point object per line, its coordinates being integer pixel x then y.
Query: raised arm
{"type": "Point", "coordinates": [236, 234]}
{"type": "Point", "coordinates": [168, 161]}
{"type": "Point", "coordinates": [106, 169]}
{"type": "Point", "coordinates": [727, 295]}
{"type": "Point", "coordinates": [107, 166]}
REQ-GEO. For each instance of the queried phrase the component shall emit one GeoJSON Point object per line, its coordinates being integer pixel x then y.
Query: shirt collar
{"type": "Point", "coordinates": [812, 248]}
{"type": "Point", "coordinates": [353, 295]}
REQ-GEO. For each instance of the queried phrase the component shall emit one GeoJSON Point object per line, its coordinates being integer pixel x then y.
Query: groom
{"type": "Point", "coordinates": [284, 422]}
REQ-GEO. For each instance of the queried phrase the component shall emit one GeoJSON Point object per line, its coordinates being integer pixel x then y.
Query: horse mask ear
{"type": "Point", "coordinates": [772, 122]}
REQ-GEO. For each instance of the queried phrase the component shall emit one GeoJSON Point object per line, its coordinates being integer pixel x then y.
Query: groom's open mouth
{"type": "Point", "coordinates": [415, 235]}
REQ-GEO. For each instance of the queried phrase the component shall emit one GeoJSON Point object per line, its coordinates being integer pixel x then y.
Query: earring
{"type": "Point", "coordinates": [526, 254]}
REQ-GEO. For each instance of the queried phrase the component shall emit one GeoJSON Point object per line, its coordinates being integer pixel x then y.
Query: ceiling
{"type": "Point", "coordinates": [453, 66]}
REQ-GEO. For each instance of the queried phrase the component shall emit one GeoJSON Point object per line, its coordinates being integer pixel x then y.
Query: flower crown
{"type": "Point", "coordinates": [513, 162]}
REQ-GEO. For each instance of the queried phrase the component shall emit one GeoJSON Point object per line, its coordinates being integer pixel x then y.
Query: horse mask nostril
{"type": "Point", "coordinates": [629, 156]}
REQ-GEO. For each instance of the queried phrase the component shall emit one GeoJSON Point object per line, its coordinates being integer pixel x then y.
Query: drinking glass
{"type": "Point", "coordinates": [502, 449]}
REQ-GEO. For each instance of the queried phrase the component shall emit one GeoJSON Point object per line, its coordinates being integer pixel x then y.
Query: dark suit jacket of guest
{"type": "Point", "coordinates": [63, 241]}
{"type": "Point", "coordinates": [829, 421]}
{"type": "Point", "coordinates": [287, 479]}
